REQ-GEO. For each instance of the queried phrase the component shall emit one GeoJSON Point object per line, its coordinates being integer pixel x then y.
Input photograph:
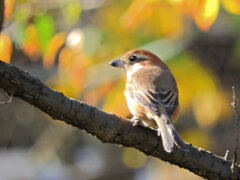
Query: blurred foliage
{"type": "Point", "coordinates": [79, 38]}
{"type": "Point", "coordinates": [5, 47]}
{"type": "Point", "coordinates": [133, 158]}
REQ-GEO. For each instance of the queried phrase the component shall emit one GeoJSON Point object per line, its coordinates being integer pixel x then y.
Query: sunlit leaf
{"type": "Point", "coordinates": [8, 9]}
{"type": "Point", "coordinates": [191, 78]}
{"type": "Point", "coordinates": [137, 12]}
{"type": "Point", "coordinates": [55, 43]}
{"type": "Point", "coordinates": [98, 93]}
{"type": "Point", "coordinates": [233, 6]}
{"type": "Point", "coordinates": [71, 76]}
{"type": "Point", "coordinates": [198, 138]}
{"type": "Point", "coordinates": [206, 13]}
{"type": "Point", "coordinates": [133, 158]}
{"type": "Point", "coordinates": [72, 68]}
{"type": "Point", "coordinates": [172, 26]}
{"type": "Point", "coordinates": [31, 45]}
{"type": "Point", "coordinates": [62, 83]}
{"type": "Point", "coordinates": [21, 14]}
{"type": "Point", "coordinates": [150, 17]}
{"type": "Point", "coordinates": [5, 48]}
{"type": "Point", "coordinates": [45, 28]}
{"type": "Point", "coordinates": [77, 71]}
{"type": "Point", "coordinates": [115, 101]}
{"type": "Point", "coordinates": [159, 170]}
{"type": "Point", "coordinates": [175, 1]}
{"type": "Point", "coordinates": [199, 89]}
{"type": "Point", "coordinates": [65, 58]}
{"type": "Point", "coordinates": [210, 103]}
{"type": "Point", "coordinates": [72, 12]}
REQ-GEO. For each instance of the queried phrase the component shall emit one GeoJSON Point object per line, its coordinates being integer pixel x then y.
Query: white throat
{"type": "Point", "coordinates": [134, 69]}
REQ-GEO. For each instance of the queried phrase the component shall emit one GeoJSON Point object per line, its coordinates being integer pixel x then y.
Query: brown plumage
{"type": "Point", "coordinates": [151, 93]}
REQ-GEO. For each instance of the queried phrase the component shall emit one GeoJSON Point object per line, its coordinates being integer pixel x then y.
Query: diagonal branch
{"type": "Point", "coordinates": [109, 128]}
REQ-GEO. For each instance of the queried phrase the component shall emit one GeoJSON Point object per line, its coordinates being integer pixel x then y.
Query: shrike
{"type": "Point", "coordinates": [151, 93]}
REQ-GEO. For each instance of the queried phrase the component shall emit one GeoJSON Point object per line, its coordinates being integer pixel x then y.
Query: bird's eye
{"type": "Point", "coordinates": [132, 58]}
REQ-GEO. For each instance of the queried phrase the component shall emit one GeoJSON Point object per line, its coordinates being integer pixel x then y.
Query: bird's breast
{"type": "Point", "coordinates": [132, 104]}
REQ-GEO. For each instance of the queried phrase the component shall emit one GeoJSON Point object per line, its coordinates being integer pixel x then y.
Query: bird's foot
{"type": "Point", "coordinates": [135, 121]}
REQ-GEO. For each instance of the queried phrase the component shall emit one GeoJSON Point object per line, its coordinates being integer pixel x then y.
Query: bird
{"type": "Point", "coordinates": [152, 95]}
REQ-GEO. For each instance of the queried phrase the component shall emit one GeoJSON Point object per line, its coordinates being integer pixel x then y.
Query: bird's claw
{"type": "Point", "coordinates": [135, 121]}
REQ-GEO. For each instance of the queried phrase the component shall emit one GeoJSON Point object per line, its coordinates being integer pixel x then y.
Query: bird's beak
{"type": "Point", "coordinates": [117, 63]}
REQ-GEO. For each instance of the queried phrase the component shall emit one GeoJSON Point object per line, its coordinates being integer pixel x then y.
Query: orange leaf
{"type": "Point", "coordinates": [31, 45]}
{"type": "Point", "coordinates": [5, 48]}
{"type": "Point", "coordinates": [115, 101]}
{"type": "Point", "coordinates": [77, 71]}
{"type": "Point", "coordinates": [136, 14]}
{"type": "Point", "coordinates": [65, 58]}
{"type": "Point", "coordinates": [206, 13]}
{"type": "Point", "coordinates": [98, 93]}
{"type": "Point", "coordinates": [52, 48]}
{"type": "Point", "coordinates": [9, 4]}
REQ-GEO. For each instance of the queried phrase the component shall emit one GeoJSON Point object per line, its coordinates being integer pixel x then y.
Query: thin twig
{"type": "Point", "coordinates": [8, 101]}
{"type": "Point", "coordinates": [234, 104]}
{"type": "Point", "coordinates": [226, 156]}
{"type": "Point", "coordinates": [10, 96]}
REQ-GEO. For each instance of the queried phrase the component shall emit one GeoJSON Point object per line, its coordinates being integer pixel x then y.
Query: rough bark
{"type": "Point", "coordinates": [109, 128]}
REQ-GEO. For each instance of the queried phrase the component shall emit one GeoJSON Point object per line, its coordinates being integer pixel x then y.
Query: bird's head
{"type": "Point", "coordinates": [136, 58]}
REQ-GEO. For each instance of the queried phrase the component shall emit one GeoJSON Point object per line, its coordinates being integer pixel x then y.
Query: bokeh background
{"type": "Point", "coordinates": [68, 45]}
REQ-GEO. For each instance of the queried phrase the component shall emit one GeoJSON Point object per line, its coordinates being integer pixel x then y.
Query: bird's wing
{"type": "Point", "coordinates": [154, 87]}
{"type": "Point", "coordinates": [153, 98]}
{"type": "Point", "coordinates": [162, 102]}
{"type": "Point", "coordinates": [165, 98]}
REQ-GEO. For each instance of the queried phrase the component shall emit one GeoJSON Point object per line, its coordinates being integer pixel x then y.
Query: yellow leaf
{"type": "Point", "coordinates": [65, 58]}
{"type": "Point", "coordinates": [77, 71]}
{"type": "Point", "coordinates": [137, 12]}
{"type": "Point", "coordinates": [5, 48]}
{"type": "Point", "coordinates": [93, 96]}
{"type": "Point", "coordinates": [191, 79]}
{"type": "Point", "coordinates": [198, 138]}
{"type": "Point", "coordinates": [206, 13]}
{"type": "Point", "coordinates": [52, 48]}
{"type": "Point", "coordinates": [233, 6]}
{"type": "Point", "coordinates": [72, 12]}
{"type": "Point", "coordinates": [115, 101]}
{"type": "Point", "coordinates": [133, 158]}
{"type": "Point", "coordinates": [150, 16]}
{"type": "Point", "coordinates": [199, 89]}
{"type": "Point", "coordinates": [31, 45]}
{"type": "Point", "coordinates": [207, 108]}
{"type": "Point", "coordinates": [9, 5]}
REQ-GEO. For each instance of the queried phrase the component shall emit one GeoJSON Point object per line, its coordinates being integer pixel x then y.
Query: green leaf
{"type": "Point", "coordinates": [46, 27]}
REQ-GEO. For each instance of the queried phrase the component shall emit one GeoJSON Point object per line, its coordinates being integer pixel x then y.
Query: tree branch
{"type": "Point", "coordinates": [234, 104]}
{"type": "Point", "coordinates": [109, 128]}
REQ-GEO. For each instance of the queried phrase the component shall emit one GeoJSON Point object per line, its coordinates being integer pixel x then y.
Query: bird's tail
{"type": "Point", "coordinates": [169, 134]}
